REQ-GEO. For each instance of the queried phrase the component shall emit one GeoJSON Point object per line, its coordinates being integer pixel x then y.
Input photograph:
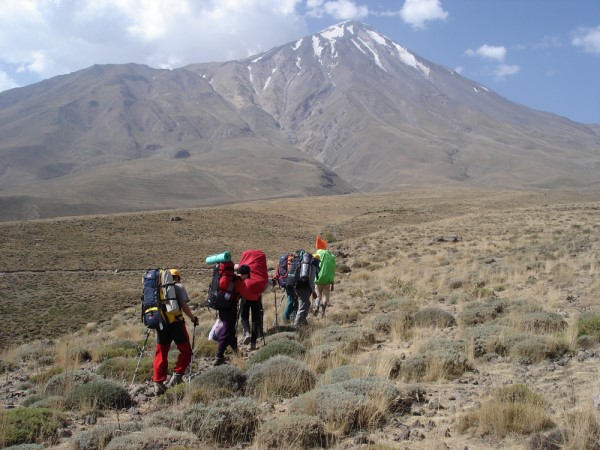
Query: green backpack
{"type": "Point", "coordinates": [326, 273]}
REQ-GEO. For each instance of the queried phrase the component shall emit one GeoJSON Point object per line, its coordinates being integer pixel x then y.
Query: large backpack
{"type": "Point", "coordinates": [159, 299]}
{"type": "Point", "coordinates": [283, 268]}
{"type": "Point", "coordinates": [301, 269]}
{"type": "Point", "coordinates": [221, 293]}
{"type": "Point", "coordinates": [326, 273]}
{"type": "Point", "coordinates": [259, 272]}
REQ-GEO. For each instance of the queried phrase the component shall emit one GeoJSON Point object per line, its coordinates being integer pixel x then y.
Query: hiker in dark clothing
{"type": "Point", "coordinates": [228, 316]}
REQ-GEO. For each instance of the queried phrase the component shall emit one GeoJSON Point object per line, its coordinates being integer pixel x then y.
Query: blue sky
{"type": "Point", "coordinates": [544, 54]}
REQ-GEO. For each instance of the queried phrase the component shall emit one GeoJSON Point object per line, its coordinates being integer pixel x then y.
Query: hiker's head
{"type": "Point", "coordinates": [244, 270]}
{"type": "Point", "coordinates": [175, 274]}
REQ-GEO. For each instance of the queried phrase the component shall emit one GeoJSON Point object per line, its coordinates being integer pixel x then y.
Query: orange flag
{"type": "Point", "coordinates": [321, 244]}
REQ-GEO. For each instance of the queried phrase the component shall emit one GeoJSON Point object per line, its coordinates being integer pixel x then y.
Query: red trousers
{"type": "Point", "coordinates": [171, 332]}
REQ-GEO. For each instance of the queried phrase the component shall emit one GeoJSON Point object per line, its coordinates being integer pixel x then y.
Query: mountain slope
{"type": "Point", "coordinates": [128, 137]}
{"type": "Point", "coordinates": [382, 117]}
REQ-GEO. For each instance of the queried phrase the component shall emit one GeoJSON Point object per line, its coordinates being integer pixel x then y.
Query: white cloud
{"type": "Point", "coordinates": [505, 70]}
{"type": "Point", "coordinates": [588, 39]}
{"type": "Point", "coordinates": [417, 12]}
{"type": "Point", "coordinates": [489, 52]}
{"type": "Point", "coordinates": [51, 37]}
{"type": "Point", "coordinates": [338, 9]}
{"type": "Point", "coordinates": [6, 82]}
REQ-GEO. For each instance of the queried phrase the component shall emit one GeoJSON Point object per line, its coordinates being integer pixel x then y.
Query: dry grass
{"type": "Point", "coordinates": [517, 270]}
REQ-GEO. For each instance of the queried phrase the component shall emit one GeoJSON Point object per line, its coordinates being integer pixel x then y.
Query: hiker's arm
{"type": "Point", "coordinates": [188, 312]}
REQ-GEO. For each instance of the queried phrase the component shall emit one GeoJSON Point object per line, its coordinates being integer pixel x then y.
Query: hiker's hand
{"type": "Point", "coordinates": [195, 320]}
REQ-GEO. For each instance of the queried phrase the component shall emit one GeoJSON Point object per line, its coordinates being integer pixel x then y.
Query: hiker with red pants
{"type": "Point", "coordinates": [228, 316]}
{"type": "Point", "coordinates": [174, 330]}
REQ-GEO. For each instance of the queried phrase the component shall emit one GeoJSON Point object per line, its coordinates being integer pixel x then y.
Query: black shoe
{"type": "Point", "coordinates": [218, 361]}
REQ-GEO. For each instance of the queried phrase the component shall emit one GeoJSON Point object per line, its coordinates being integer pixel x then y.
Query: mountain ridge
{"type": "Point", "coordinates": [343, 110]}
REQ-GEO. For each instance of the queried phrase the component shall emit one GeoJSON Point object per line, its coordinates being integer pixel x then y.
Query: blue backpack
{"type": "Point", "coordinates": [151, 304]}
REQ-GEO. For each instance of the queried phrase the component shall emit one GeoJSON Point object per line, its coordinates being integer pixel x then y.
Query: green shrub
{"type": "Point", "coordinates": [25, 447]}
{"type": "Point", "coordinates": [205, 347]}
{"type": "Point", "coordinates": [434, 364]}
{"type": "Point", "coordinates": [155, 438]}
{"type": "Point", "coordinates": [586, 341]}
{"type": "Point", "coordinates": [120, 348]}
{"type": "Point", "coordinates": [434, 317]}
{"type": "Point", "coordinates": [101, 394]}
{"type": "Point", "coordinates": [488, 338]}
{"type": "Point", "coordinates": [528, 348]}
{"type": "Point", "coordinates": [589, 324]}
{"type": "Point", "coordinates": [476, 313]}
{"type": "Point", "coordinates": [436, 344]}
{"type": "Point", "coordinates": [351, 338]}
{"type": "Point", "coordinates": [402, 305]}
{"type": "Point", "coordinates": [99, 436]}
{"type": "Point", "coordinates": [344, 316]}
{"type": "Point", "coordinates": [64, 382]}
{"type": "Point", "coordinates": [52, 402]}
{"type": "Point", "coordinates": [543, 322]}
{"type": "Point", "coordinates": [6, 366]}
{"type": "Point", "coordinates": [226, 422]}
{"type": "Point", "coordinates": [287, 347]}
{"type": "Point", "coordinates": [122, 369]}
{"type": "Point", "coordinates": [30, 425]}
{"type": "Point", "coordinates": [42, 378]}
{"type": "Point", "coordinates": [218, 382]}
{"type": "Point", "coordinates": [293, 335]}
{"type": "Point", "coordinates": [292, 432]}
{"type": "Point", "coordinates": [279, 377]}
{"type": "Point", "coordinates": [512, 409]}
{"type": "Point", "coordinates": [341, 373]}
{"type": "Point", "coordinates": [352, 405]}
{"type": "Point", "coordinates": [321, 354]}
{"type": "Point", "coordinates": [385, 323]}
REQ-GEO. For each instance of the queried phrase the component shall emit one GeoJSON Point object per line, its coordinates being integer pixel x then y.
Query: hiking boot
{"type": "Point", "coordinates": [218, 361]}
{"type": "Point", "coordinates": [247, 338]}
{"type": "Point", "coordinates": [176, 378]}
{"type": "Point", "coordinates": [316, 311]}
{"type": "Point", "coordinates": [159, 388]}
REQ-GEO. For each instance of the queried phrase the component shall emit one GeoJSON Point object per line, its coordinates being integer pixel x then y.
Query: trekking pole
{"type": "Point", "coordinates": [192, 360]}
{"type": "Point", "coordinates": [275, 323]}
{"type": "Point", "coordinates": [262, 317]}
{"type": "Point", "coordinates": [140, 358]}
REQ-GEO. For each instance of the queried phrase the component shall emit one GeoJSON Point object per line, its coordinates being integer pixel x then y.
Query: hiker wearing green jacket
{"type": "Point", "coordinates": [324, 281]}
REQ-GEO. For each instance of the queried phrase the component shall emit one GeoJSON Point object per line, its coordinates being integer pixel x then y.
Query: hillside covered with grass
{"type": "Point", "coordinates": [460, 318]}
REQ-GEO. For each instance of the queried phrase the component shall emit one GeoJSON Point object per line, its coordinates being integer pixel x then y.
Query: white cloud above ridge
{"type": "Point", "coordinates": [417, 12]}
{"type": "Point", "coordinates": [338, 9]}
{"type": "Point", "coordinates": [504, 70]}
{"type": "Point", "coordinates": [55, 37]}
{"type": "Point", "coordinates": [497, 53]}
{"type": "Point", "coordinates": [587, 39]}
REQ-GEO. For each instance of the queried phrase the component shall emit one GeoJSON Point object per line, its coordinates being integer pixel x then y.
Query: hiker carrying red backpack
{"type": "Point", "coordinates": [253, 268]}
